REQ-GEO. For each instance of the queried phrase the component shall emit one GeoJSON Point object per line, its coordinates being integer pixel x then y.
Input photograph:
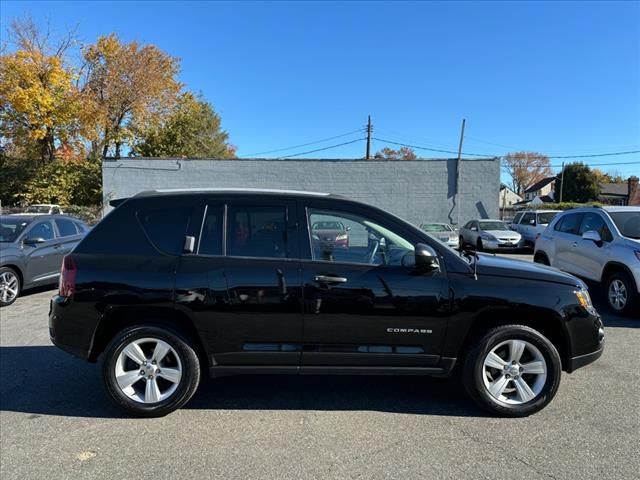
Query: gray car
{"type": "Point", "coordinates": [531, 223]}
{"type": "Point", "coordinates": [598, 244]}
{"type": "Point", "coordinates": [31, 250]}
{"type": "Point", "coordinates": [489, 235]}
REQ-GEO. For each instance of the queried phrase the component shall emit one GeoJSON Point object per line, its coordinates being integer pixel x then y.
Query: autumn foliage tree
{"type": "Point", "coordinates": [126, 83]}
{"type": "Point", "coordinates": [403, 153]}
{"type": "Point", "coordinates": [526, 168]}
{"type": "Point", "coordinates": [39, 102]}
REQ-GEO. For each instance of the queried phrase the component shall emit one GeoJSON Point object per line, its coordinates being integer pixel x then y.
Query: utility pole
{"type": "Point", "coordinates": [369, 130]}
{"type": "Point", "coordinates": [458, 170]}
{"type": "Point", "coordinates": [561, 182]}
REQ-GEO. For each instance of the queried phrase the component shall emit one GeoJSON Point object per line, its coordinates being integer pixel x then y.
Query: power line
{"type": "Point", "coordinates": [322, 149]}
{"type": "Point", "coordinates": [433, 149]}
{"type": "Point", "coordinates": [303, 144]}
{"type": "Point", "coordinates": [557, 157]}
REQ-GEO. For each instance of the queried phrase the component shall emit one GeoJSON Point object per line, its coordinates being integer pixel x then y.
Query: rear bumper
{"type": "Point", "coordinates": [66, 334]}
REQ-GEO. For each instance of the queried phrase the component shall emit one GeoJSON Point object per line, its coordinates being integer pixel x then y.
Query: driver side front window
{"type": "Point", "coordinates": [350, 238]}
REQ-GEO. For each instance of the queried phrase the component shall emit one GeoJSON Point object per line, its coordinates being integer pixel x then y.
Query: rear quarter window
{"type": "Point", "coordinates": [166, 227]}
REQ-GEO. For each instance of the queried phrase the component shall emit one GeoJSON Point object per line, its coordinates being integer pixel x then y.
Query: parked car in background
{"type": "Point", "coordinates": [32, 248]}
{"type": "Point", "coordinates": [332, 233]}
{"type": "Point", "coordinates": [43, 209]}
{"type": "Point", "coordinates": [489, 235]}
{"type": "Point", "coordinates": [531, 223]}
{"type": "Point", "coordinates": [443, 232]}
{"type": "Point", "coordinates": [181, 296]}
{"type": "Point", "coordinates": [598, 244]}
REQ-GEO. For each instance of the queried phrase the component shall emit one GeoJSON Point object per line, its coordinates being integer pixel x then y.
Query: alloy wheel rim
{"type": "Point", "coordinates": [514, 372]}
{"type": "Point", "coordinates": [148, 370]}
{"type": "Point", "coordinates": [618, 294]}
{"type": "Point", "coordinates": [8, 287]}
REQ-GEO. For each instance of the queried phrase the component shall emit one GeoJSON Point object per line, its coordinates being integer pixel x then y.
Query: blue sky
{"type": "Point", "coordinates": [560, 78]}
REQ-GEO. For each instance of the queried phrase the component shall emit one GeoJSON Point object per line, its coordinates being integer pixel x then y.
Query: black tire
{"type": "Point", "coordinates": [541, 258]}
{"type": "Point", "coordinates": [461, 242]}
{"type": "Point", "coordinates": [186, 387]}
{"type": "Point", "coordinates": [12, 272]}
{"type": "Point", "coordinates": [631, 293]}
{"type": "Point", "coordinates": [474, 374]}
{"type": "Point", "coordinates": [479, 245]}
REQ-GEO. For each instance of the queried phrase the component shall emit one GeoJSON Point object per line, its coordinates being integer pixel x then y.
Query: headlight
{"type": "Point", "coordinates": [584, 299]}
{"type": "Point", "coordinates": [486, 236]}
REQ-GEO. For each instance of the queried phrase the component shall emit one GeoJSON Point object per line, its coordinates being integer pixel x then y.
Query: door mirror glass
{"type": "Point", "coordinates": [426, 258]}
{"type": "Point", "coordinates": [592, 235]}
{"type": "Point", "coordinates": [34, 240]}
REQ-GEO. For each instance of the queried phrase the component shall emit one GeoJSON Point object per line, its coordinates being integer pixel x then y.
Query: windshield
{"type": "Point", "coordinates": [545, 218]}
{"type": "Point", "coordinates": [436, 227]}
{"type": "Point", "coordinates": [38, 209]}
{"type": "Point", "coordinates": [11, 228]}
{"type": "Point", "coordinates": [628, 223]}
{"type": "Point", "coordinates": [493, 226]}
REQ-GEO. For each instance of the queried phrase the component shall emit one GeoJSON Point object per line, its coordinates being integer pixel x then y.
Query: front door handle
{"type": "Point", "coordinates": [574, 244]}
{"type": "Point", "coordinates": [329, 279]}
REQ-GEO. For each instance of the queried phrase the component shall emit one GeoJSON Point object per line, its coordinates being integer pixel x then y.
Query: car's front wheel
{"type": "Point", "coordinates": [621, 293]}
{"type": "Point", "coordinates": [512, 371]}
{"type": "Point", "coordinates": [150, 371]}
{"type": "Point", "coordinates": [9, 286]}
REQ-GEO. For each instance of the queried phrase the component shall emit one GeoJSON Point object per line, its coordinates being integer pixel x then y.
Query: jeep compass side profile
{"type": "Point", "coordinates": [175, 284]}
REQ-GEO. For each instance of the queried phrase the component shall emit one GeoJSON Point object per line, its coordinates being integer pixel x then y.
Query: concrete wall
{"type": "Point", "coordinates": [417, 190]}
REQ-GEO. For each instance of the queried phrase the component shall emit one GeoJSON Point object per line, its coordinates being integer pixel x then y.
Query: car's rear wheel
{"type": "Point", "coordinates": [513, 371]}
{"type": "Point", "coordinates": [9, 286]}
{"type": "Point", "coordinates": [150, 371]}
{"type": "Point", "coordinates": [621, 294]}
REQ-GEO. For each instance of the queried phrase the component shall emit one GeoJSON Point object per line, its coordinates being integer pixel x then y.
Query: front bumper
{"type": "Point", "coordinates": [501, 245]}
{"type": "Point", "coordinates": [582, 360]}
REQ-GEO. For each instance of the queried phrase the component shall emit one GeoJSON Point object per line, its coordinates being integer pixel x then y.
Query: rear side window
{"type": "Point", "coordinates": [256, 231]}
{"type": "Point", "coordinates": [66, 227]}
{"type": "Point", "coordinates": [571, 223]}
{"type": "Point", "coordinates": [166, 227]}
{"type": "Point", "coordinates": [211, 235]}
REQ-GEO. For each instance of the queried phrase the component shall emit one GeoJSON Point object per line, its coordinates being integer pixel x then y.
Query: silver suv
{"type": "Point", "coordinates": [599, 244]}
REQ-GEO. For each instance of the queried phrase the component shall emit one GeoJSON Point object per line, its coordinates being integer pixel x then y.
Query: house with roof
{"type": "Point", "coordinates": [621, 193]}
{"type": "Point", "coordinates": [508, 198]}
{"type": "Point", "coordinates": [540, 192]}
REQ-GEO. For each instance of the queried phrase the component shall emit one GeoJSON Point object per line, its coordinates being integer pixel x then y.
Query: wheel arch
{"type": "Point", "coordinates": [612, 267]}
{"type": "Point", "coordinates": [18, 271]}
{"type": "Point", "coordinates": [547, 322]}
{"type": "Point", "coordinates": [168, 317]}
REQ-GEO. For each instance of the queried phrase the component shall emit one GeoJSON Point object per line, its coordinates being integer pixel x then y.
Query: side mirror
{"type": "Point", "coordinates": [532, 222]}
{"type": "Point", "coordinates": [33, 240]}
{"type": "Point", "coordinates": [347, 228]}
{"type": "Point", "coordinates": [426, 258]}
{"type": "Point", "coordinates": [473, 229]}
{"type": "Point", "coordinates": [189, 244]}
{"type": "Point", "coordinates": [593, 236]}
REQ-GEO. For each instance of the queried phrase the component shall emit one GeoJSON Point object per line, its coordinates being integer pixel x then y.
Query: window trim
{"type": "Point", "coordinates": [54, 229]}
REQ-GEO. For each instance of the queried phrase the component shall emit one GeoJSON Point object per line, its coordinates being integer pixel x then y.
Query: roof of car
{"type": "Point", "coordinates": [610, 209]}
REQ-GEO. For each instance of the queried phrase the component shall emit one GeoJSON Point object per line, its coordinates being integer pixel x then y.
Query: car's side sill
{"type": "Point", "coordinates": [224, 370]}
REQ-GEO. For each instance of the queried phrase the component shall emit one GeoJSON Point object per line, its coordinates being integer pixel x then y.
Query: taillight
{"type": "Point", "coordinates": [68, 277]}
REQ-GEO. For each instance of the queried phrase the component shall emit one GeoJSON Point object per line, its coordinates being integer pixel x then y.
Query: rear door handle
{"type": "Point", "coordinates": [329, 279]}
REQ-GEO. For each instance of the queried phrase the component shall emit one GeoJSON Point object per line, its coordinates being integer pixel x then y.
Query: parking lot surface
{"type": "Point", "coordinates": [56, 422]}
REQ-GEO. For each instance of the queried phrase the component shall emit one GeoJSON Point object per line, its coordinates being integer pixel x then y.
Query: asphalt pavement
{"type": "Point", "coordinates": [56, 422]}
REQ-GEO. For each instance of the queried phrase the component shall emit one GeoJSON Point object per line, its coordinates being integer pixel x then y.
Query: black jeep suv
{"type": "Point", "coordinates": [172, 284]}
